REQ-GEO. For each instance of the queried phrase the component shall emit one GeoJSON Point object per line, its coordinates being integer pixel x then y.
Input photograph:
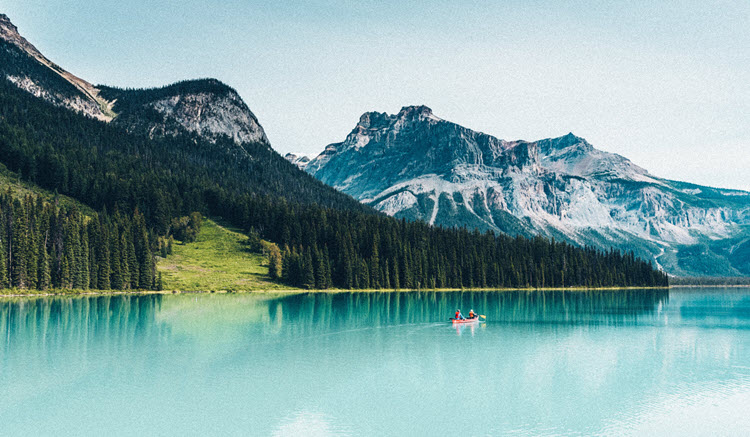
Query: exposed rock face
{"type": "Point", "coordinates": [299, 159]}
{"type": "Point", "coordinates": [206, 108]}
{"type": "Point", "coordinates": [22, 64]}
{"type": "Point", "coordinates": [417, 166]}
{"type": "Point", "coordinates": [210, 116]}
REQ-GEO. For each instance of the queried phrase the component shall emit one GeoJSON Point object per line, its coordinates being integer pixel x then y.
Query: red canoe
{"type": "Point", "coordinates": [460, 322]}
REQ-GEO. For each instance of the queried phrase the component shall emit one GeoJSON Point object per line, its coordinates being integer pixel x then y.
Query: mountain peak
{"type": "Point", "coordinates": [416, 112]}
{"type": "Point", "coordinates": [415, 109]}
{"type": "Point", "coordinates": [569, 140]}
{"type": "Point", "coordinates": [20, 63]}
{"type": "Point", "coordinates": [564, 142]}
{"type": "Point", "coordinates": [205, 107]}
{"type": "Point", "coordinates": [9, 33]}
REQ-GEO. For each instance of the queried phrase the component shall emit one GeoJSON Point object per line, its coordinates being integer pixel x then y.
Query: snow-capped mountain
{"type": "Point", "coordinates": [418, 166]}
{"type": "Point", "coordinates": [300, 159]}
{"type": "Point", "coordinates": [207, 107]}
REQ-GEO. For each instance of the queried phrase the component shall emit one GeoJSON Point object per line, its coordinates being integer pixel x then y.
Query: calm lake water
{"type": "Point", "coordinates": [546, 363]}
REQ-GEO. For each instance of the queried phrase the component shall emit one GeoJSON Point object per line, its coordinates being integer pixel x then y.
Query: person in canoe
{"type": "Point", "coordinates": [472, 314]}
{"type": "Point", "coordinates": [459, 316]}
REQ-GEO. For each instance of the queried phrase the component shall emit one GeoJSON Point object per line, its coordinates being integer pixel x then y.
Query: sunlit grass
{"type": "Point", "coordinates": [217, 261]}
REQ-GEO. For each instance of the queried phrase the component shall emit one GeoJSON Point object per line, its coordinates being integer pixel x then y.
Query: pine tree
{"type": "Point", "coordinates": [396, 283]}
{"type": "Point", "coordinates": [3, 264]}
{"type": "Point", "coordinates": [65, 276]}
{"type": "Point", "coordinates": [93, 238]}
{"type": "Point", "coordinates": [143, 253]}
{"type": "Point", "coordinates": [133, 264]}
{"type": "Point", "coordinates": [348, 274]}
{"type": "Point", "coordinates": [327, 266]}
{"type": "Point", "coordinates": [364, 274]}
{"type": "Point", "coordinates": [31, 251]}
{"type": "Point", "coordinates": [320, 269]}
{"type": "Point", "coordinates": [115, 275]}
{"type": "Point", "coordinates": [387, 275]}
{"type": "Point", "coordinates": [124, 264]}
{"type": "Point", "coordinates": [308, 272]}
{"type": "Point", "coordinates": [103, 260]}
{"type": "Point", "coordinates": [375, 263]}
{"type": "Point", "coordinates": [18, 247]}
{"type": "Point", "coordinates": [84, 258]}
{"type": "Point", "coordinates": [45, 274]}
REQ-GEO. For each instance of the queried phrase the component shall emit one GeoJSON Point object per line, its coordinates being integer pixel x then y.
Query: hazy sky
{"type": "Point", "coordinates": [664, 83]}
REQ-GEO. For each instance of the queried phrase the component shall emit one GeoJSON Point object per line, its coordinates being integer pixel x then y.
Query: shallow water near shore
{"type": "Point", "coordinates": [628, 362]}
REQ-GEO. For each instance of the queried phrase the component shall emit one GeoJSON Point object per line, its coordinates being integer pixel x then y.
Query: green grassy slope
{"type": "Point", "coordinates": [217, 261]}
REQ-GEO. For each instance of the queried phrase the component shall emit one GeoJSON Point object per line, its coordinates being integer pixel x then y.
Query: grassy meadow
{"type": "Point", "coordinates": [217, 261]}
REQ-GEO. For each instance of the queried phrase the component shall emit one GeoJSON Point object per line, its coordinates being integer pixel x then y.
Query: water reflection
{"type": "Point", "coordinates": [125, 319]}
{"type": "Point", "coordinates": [29, 323]}
{"type": "Point", "coordinates": [324, 311]}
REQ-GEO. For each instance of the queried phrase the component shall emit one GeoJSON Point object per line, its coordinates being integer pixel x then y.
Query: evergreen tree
{"type": "Point", "coordinates": [84, 258]}
{"type": "Point", "coordinates": [133, 265]}
{"type": "Point", "coordinates": [308, 271]}
{"type": "Point", "coordinates": [115, 279]}
{"type": "Point", "coordinates": [18, 247]}
{"type": "Point", "coordinates": [3, 264]}
{"type": "Point", "coordinates": [45, 274]}
{"type": "Point", "coordinates": [103, 258]}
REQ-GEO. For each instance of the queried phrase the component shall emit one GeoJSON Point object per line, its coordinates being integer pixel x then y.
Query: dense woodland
{"type": "Point", "coordinates": [324, 248]}
{"type": "Point", "coordinates": [325, 238]}
{"type": "Point", "coordinates": [44, 246]}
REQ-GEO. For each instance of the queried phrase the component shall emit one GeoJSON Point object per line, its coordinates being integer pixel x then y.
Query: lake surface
{"type": "Point", "coordinates": [652, 362]}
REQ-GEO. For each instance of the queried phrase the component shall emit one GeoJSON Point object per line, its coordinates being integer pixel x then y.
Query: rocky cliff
{"type": "Point", "coordinates": [206, 108]}
{"type": "Point", "coordinates": [22, 64]}
{"type": "Point", "coordinates": [418, 166]}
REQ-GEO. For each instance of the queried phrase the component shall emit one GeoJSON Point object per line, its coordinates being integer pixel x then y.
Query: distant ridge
{"type": "Point", "coordinates": [415, 165]}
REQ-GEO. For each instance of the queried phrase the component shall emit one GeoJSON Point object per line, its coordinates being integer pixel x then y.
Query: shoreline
{"type": "Point", "coordinates": [74, 293]}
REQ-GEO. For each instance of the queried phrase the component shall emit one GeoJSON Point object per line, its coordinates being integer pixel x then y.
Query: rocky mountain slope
{"type": "Point", "coordinates": [299, 159]}
{"type": "Point", "coordinates": [418, 166]}
{"type": "Point", "coordinates": [206, 108]}
{"type": "Point", "coordinates": [22, 64]}
{"type": "Point", "coordinates": [201, 128]}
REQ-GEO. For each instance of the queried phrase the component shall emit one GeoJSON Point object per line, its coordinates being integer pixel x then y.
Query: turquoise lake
{"type": "Point", "coordinates": [647, 362]}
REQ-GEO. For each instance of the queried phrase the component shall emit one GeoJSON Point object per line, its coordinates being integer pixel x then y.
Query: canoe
{"type": "Point", "coordinates": [461, 322]}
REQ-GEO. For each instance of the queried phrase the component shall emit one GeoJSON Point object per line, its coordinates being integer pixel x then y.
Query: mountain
{"type": "Point", "coordinates": [299, 159]}
{"type": "Point", "coordinates": [23, 65]}
{"type": "Point", "coordinates": [206, 108]}
{"type": "Point", "coordinates": [420, 167]}
{"type": "Point", "coordinates": [156, 157]}
{"type": "Point", "coordinates": [203, 125]}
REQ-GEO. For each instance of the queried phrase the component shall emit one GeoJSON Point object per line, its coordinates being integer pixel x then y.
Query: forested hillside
{"type": "Point", "coordinates": [43, 245]}
{"type": "Point", "coordinates": [326, 238]}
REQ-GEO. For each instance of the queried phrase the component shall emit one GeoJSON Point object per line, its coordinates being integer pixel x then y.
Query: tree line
{"type": "Point", "coordinates": [324, 248]}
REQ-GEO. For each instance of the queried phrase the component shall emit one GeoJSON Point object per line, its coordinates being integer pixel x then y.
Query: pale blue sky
{"type": "Point", "coordinates": [664, 83]}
